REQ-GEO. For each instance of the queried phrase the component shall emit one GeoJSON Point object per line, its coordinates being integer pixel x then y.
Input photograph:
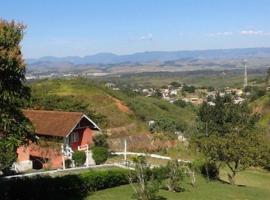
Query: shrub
{"type": "Point", "coordinates": [63, 187]}
{"type": "Point", "coordinates": [79, 158]}
{"type": "Point", "coordinates": [100, 154]}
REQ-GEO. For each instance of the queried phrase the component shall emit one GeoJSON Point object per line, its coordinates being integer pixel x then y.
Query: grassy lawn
{"type": "Point", "coordinates": [256, 186]}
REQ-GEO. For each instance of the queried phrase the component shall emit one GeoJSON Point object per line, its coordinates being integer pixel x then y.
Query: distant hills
{"type": "Point", "coordinates": [161, 56]}
{"type": "Point", "coordinates": [152, 61]}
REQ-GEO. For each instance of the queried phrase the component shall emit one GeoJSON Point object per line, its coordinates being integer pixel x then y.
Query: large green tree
{"type": "Point", "coordinates": [15, 129]}
{"type": "Point", "coordinates": [228, 135]}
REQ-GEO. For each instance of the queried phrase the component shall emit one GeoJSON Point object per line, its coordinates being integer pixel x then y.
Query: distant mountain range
{"type": "Point", "coordinates": [160, 56]}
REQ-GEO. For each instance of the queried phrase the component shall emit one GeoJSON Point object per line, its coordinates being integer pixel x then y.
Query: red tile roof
{"type": "Point", "coordinates": [53, 123]}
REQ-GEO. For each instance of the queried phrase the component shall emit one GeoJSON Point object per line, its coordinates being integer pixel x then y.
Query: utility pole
{"type": "Point", "coordinates": [125, 151]}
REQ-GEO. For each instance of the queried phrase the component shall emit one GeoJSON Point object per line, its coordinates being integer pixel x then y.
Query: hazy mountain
{"type": "Point", "coordinates": [110, 58]}
{"type": "Point", "coordinates": [144, 57]}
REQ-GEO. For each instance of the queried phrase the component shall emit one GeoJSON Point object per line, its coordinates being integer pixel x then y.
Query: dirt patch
{"type": "Point", "coordinates": [120, 105]}
{"type": "Point", "coordinates": [139, 143]}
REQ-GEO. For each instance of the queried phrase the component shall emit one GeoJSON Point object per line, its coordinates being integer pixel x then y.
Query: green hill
{"type": "Point", "coordinates": [119, 109]}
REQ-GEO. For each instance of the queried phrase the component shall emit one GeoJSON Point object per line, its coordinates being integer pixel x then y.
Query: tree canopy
{"type": "Point", "coordinates": [227, 134]}
{"type": "Point", "coordinates": [15, 129]}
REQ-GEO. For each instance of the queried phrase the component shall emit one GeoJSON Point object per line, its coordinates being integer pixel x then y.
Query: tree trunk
{"type": "Point", "coordinates": [231, 177]}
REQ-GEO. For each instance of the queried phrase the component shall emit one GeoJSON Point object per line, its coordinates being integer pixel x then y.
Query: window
{"type": "Point", "coordinates": [74, 137]}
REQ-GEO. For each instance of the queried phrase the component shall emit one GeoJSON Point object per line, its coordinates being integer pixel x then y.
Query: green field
{"type": "Point", "coordinates": [253, 184]}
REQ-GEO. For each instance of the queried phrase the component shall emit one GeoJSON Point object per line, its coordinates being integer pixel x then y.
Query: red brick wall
{"type": "Point", "coordinates": [53, 155]}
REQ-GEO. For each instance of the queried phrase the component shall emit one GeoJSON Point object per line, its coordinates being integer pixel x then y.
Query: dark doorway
{"type": "Point", "coordinates": [38, 162]}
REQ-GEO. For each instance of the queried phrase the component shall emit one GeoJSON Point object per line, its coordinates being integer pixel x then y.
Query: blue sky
{"type": "Point", "coordinates": [85, 27]}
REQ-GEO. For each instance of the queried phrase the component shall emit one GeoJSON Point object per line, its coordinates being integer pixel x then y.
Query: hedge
{"type": "Point", "coordinates": [66, 187]}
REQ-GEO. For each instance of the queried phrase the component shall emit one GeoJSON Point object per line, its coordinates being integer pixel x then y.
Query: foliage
{"type": "Point", "coordinates": [100, 140]}
{"type": "Point", "coordinates": [79, 157]}
{"type": "Point", "coordinates": [175, 84]}
{"type": "Point", "coordinates": [227, 134]}
{"type": "Point", "coordinates": [67, 103]}
{"type": "Point", "coordinates": [255, 186]}
{"type": "Point", "coordinates": [181, 103]}
{"type": "Point", "coordinates": [175, 176]}
{"type": "Point", "coordinates": [189, 89]}
{"type": "Point", "coordinates": [256, 92]}
{"type": "Point", "coordinates": [164, 125]}
{"type": "Point", "coordinates": [100, 154]}
{"type": "Point", "coordinates": [62, 187]}
{"type": "Point", "coordinates": [15, 129]}
{"type": "Point", "coordinates": [145, 189]}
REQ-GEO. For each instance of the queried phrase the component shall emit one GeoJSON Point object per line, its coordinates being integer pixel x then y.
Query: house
{"type": "Point", "coordinates": [59, 135]}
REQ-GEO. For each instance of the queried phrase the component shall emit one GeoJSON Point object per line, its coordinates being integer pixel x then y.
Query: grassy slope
{"type": "Point", "coordinates": [262, 107]}
{"type": "Point", "coordinates": [106, 102]}
{"type": "Point", "coordinates": [257, 186]}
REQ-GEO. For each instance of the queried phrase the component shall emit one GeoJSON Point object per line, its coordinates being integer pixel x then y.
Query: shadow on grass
{"type": "Point", "coordinates": [228, 183]}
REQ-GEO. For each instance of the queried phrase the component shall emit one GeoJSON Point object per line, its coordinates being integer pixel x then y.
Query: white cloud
{"type": "Point", "coordinates": [225, 33]}
{"type": "Point", "coordinates": [253, 32]}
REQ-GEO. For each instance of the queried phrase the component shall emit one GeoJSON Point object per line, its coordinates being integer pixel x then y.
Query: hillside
{"type": "Point", "coordinates": [125, 114]}
{"type": "Point", "coordinates": [262, 107]}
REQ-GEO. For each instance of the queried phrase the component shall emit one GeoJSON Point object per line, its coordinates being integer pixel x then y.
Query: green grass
{"type": "Point", "coordinates": [106, 102]}
{"type": "Point", "coordinates": [256, 186]}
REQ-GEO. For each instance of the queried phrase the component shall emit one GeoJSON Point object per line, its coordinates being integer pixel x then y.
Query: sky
{"type": "Point", "coordinates": [86, 27]}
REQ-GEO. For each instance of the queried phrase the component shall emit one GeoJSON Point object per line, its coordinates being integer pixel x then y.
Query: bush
{"type": "Point", "coordinates": [79, 157]}
{"type": "Point", "coordinates": [100, 154]}
{"type": "Point", "coordinates": [64, 187]}
{"type": "Point", "coordinates": [181, 103]}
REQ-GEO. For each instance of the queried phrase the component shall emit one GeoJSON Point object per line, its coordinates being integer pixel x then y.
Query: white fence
{"type": "Point", "coordinates": [149, 155]}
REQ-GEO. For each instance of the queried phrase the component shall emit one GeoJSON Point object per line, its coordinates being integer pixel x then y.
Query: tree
{"type": "Point", "coordinates": [181, 103]}
{"type": "Point", "coordinates": [189, 89]}
{"type": "Point", "coordinates": [145, 189]}
{"type": "Point", "coordinates": [15, 129]}
{"type": "Point", "coordinates": [175, 176]}
{"type": "Point", "coordinates": [166, 126]}
{"type": "Point", "coordinates": [175, 84]}
{"type": "Point", "coordinates": [100, 154]}
{"type": "Point", "coordinates": [228, 135]}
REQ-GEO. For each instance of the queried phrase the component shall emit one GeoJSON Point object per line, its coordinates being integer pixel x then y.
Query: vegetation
{"type": "Point", "coordinates": [144, 189]}
{"type": "Point", "coordinates": [100, 140]}
{"type": "Point", "coordinates": [69, 103]}
{"type": "Point", "coordinates": [63, 187]}
{"type": "Point", "coordinates": [120, 108]}
{"type": "Point", "coordinates": [228, 135]}
{"type": "Point", "coordinates": [100, 154]}
{"type": "Point", "coordinates": [15, 129]}
{"type": "Point", "coordinates": [255, 185]}
{"type": "Point", "coordinates": [79, 158]}
{"type": "Point", "coordinates": [165, 126]}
